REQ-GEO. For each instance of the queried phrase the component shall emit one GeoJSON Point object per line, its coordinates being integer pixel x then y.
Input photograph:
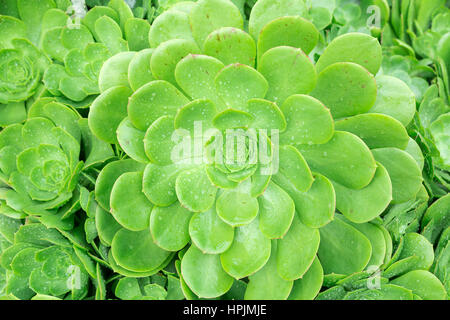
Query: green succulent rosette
{"type": "Point", "coordinates": [80, 47]}
{"type": "Point", "coordinates": [22, 66]}
{"type": "Point", "coordinates": [342, 145]}
{"type": "Point", "coordinates": [40, 164]}
{"type": "Point", "coordinates": [41, 263]}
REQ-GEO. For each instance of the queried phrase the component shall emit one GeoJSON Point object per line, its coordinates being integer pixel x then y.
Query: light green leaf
{"type": "Point", "coordinates": [307, 287]}
{"type": "Point", "coordinates": [204, 274]}
{"type": "Point", "coordinates": [231, 45]}
{"type": "Point", "coordinates": [344, 159]}
{"type": "Point", "coordinates": [308, 121]}
{"type": "Point", "coordinates": [209, 233]}
{"type": "Point", "coordinates": [210, 15]}
{"type": "Point", "coordinates": [406, 177]}
{"type": "Point", "coordinates": [297, 250]}
{"type": "Point", "coordinates": [238, 83]}
{"type": "Point", "coordinates": [347, 89]}
{"type": "Point", "coordinates": [170, 226]}
{"type": "Point", "coordinates": [336, 256]}
{"type": "Point", "coordinates": [108, 111]}
{"type": "Point", "coordinates": [395, 99]}
{"type": "Point", "coordinates": [137, 252]}
{"type": "Point", "coordinates": [266, 284]}
{"type": "Point", "coordinates": [133, 215]}
{"type": "Point", "coordinates": [367, 203]}
{"type": "Point", "coordinates": [249, 252]}
{"type": "Point", "coordinates": [114, 71]}
{"type": "Point", "coordinates": [167, 55]}
{"type": "Point", "coordinates": [292, 31]}
{"type": "Point", "coordinates": [288, 71]}
{"type": "Point", "coordinates": [276, 212]}
{"type": "Point", "coordinates": [153, 100]}
{"type": "Point", "coordinates": [358, 48]}
{"type": "Point", "coordinates": [194, 190]}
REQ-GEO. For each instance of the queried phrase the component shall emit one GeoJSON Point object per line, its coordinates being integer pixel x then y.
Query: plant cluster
{"type": "Point", "coordinates": [224, 149]}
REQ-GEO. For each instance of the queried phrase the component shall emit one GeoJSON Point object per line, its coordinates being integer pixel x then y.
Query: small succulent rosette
{"type": "Point", "coordinates": [22, 66]}
{"type": "Point", "coordinates": [80, 47]}
{"type": "Point", "coordinates": [40, 165]}
{"type": "Point", "coordinates": [41, 263]}
{"type": "Point", "coordinates": [314, 138]}
{"type": "Point", "coordinates": [49, 41]}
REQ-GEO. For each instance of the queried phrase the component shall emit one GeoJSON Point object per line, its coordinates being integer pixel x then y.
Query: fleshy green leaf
{"type": "Point", "coordinates": [194, 190]}
{"type": "Point", "coordinates": [367, 203]}
{"type": "Point", "coordinates": [265, 11]}
{"type": "Point", "coordinates": [276, 212]}
{"type": "Point", "coordinates": [395, 99]}
{"type": "Point", "coordinates": [139, 72]}
{"type": "Point", "coordinates": [167, 55]}
{"type": "Point", "coordinates": [114, 71]}
{"type": "Point", "coordinates": [170, 226]}
{"type": "Point", "coordinates": [108, 111]}
{"type": "Point", "coordinates": [288, 71]}
{"type": "Point", "coordinates": [358, 48]}
{"type": "Point", "coordinates": [231, 45]}
{"type": "Point", "coordinates": [266, 284]}
{"type": "Point", "coordinates": [308, 121]}
{"type": "Point", "coordinates": [376, 130]}
{"type": "Point", "coordinates": [133, 215]}
{"type": "Point", "coordinates": [307, 287]}
{"type": "Point", "coordinates": [153, 100]}
{"type": "Point", "coordinates": [209, 233]}
{"type": "Point", "coordinates": [110, 173]}
{"type": "Point", "coordinates": [291, 31]}
{"type": "Point", "coordinates": [204, 274]}
{"type": "Point", "coordinates": [422, 283]}
{"type": "Point", "coordinates": [171, 24]}
{"type": "Point", "coordinates": [137, 252]}
{"type": "Point", "coordinates": [249, 252]}
{"type": "Point", "coordinates": [210, 15]}
{"type": "Point", "coordinates": [344, 159]}
{"type": "Point", "coordinates": [195, 74]}
{"type": "Point", "coordinates": [347, 89]}
{"type": "Point", "coordinates": [237, 207]}
{"type": "Point", "coordinates": [238, 83]}
{"type": "Point", "coordinates": [297, 250]}
{"type": "Point", "coordinates": [403, 171]}
{"type": "Point", "coordinates": [336, 256]}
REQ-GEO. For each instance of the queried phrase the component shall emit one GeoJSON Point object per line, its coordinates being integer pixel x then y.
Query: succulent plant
{"type": "Point", "coordinates": [81, 49]}
{"type": "Point", "coordinates": [22, 66]}
{"type": "Point", "coordinates": [43, 262]}
{"type": "Point", "coordinates": [40, 164]}
{"type": "Point", "coordinates": [341, 143]}
{"type": "Point", "coordinates": [224, 149]}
